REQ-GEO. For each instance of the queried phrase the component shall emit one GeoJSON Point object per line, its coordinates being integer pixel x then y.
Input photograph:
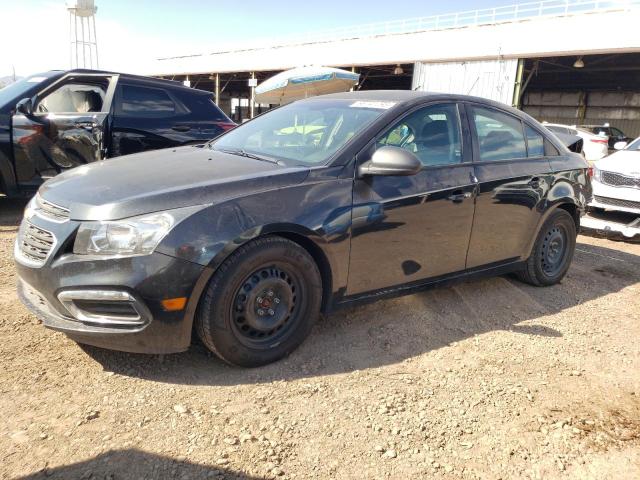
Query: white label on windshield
{"type": "Point", "coordinates": [376, 105]}
{"type": "Point", "coordinates": [36, 79]}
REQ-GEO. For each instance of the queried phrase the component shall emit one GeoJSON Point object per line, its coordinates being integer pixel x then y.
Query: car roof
{"type": "Point", "coordinates": [161, 82]}
{"type": "Point", "coordinates": [409, 97]}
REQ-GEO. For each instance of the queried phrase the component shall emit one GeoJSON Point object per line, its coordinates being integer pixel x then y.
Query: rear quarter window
{"type": "Point", "coordinates": [201, 106]}
{"type": "Point", "coordinates": [535, 142]}
{"type": "Point", "coordinates": [138, 101]}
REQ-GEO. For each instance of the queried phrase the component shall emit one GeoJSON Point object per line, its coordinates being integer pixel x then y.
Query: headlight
{"type": "Point", "coordinates": [597, 174]}
{"type": "Point", "coordinates": [30, 209]}
{"type": "Point", "coordinates": [128, 237]}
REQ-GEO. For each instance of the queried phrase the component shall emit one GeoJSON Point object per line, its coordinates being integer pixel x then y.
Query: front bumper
{"type": "Point", "coordinates": [622, 199]}
{"type": "Point", "coordinates": [147, 279]}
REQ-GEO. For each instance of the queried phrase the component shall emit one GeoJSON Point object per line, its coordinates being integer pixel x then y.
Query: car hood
{"type": "Point", "coordinates": [161, 180]}
{"type": "Point", "coordinates": [626, 162]}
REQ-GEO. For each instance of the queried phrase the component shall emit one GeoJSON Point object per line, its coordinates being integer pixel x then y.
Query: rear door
{"type": "Point", "coordinates": [66, 129]}
{"type": "Point", "coordinates": [514, 177]}
{"type": "Point", "coordinates": [407, 229]}
{"type": "Point", "coordinates": [149, 117]}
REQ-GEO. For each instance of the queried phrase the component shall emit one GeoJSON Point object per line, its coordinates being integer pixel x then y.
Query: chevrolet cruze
{"type": "Point", "coordinates": [312, 206]}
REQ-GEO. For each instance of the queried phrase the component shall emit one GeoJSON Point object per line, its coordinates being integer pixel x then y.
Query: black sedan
{"type": "Point", "coordinates": [313, 206]}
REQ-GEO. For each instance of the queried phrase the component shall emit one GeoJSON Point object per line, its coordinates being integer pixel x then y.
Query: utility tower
{"type": "Point", "coordinates": [82, 34]}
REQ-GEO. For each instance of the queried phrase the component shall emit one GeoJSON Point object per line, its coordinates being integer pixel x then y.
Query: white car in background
{"type": "Point", "coordinates": [595, 146]}
{"type": "Point", "coordinates": [616, 179]}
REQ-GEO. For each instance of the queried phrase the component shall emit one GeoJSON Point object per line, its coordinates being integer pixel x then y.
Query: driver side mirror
{"type": "Point", "coordinates": [25, 106]}
{"type": "Point", "coordinates": [390, 160]}
{"type": "Point", "coordinates": [619, 145]}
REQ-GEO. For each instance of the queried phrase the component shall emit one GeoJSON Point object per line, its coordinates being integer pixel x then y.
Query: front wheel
{"type": "Point", "coordinates": [552, 252]}
{"type": "Point", "coordinates": [261, 303]}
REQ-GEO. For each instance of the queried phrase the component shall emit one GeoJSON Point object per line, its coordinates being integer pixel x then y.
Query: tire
{"type": "Point", "coordinates": [261, 303]}
{"type": "Point", "coordinates": [552, 252]}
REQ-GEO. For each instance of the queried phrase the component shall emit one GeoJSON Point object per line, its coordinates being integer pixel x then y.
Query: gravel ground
{"type": "Point", "coordinates": [486, 379]}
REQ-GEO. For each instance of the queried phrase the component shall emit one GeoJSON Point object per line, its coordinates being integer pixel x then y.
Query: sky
{"type": "Point", "coordinates": [131, 33]}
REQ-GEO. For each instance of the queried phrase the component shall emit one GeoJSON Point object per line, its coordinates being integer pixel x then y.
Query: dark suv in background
{"type": "Point", "coordinates": [58, 120]}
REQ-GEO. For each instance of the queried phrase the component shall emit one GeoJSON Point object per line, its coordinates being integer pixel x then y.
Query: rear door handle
{"type": "Point", "coordinates": [534, 182]}
{"type": "Point", "coordinates": [181, 128]}
{"type": "Point", "coordinates": [459, 196]}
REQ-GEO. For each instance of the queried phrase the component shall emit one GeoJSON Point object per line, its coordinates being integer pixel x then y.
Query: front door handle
{"type": "Point", "coordinates": [459, 196]}
{"type": "Point", "coordinates": [86, 125]}
{"type": "Point", "coordinates": [534, 182]}
{"type": "Point", "coordinates": [181, 128]}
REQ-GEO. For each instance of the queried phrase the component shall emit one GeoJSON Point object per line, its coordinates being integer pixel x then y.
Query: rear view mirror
{"type": "Point", "coordinates": [391, 161]}
{"type": "Point", "coordinates": [25, 106]}
{"type": "Point", "coordinates": [620, 145]}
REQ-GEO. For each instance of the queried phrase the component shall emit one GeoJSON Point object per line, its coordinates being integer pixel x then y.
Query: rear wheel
{"type": "Point", "coordinates": [552, 252]}
{"type": "Point", "coordinates": [261, 303]}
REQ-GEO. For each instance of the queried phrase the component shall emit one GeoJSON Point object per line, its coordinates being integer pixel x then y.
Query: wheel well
{"type": "Point", "coordinates": [321, 261]}
{"type": "Point", "coordinates": [574, 212]}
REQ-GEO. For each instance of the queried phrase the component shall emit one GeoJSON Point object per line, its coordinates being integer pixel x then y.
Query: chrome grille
{"type": "Point", "coordinates": [617, 202]}
{"type": "Point", "coordinates": [35, 244]}
{"type": "Point", "coordinates": [619, 180]}
{"type": "Point", "coordinates": [51, 211]}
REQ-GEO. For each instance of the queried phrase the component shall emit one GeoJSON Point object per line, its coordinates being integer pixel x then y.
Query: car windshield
{"type": "Point", "coordinates": [308, 132]}
{"type": "Point", "coordinates": [16, 90]}
{"type": "Point", "coordinates": [635, 145]}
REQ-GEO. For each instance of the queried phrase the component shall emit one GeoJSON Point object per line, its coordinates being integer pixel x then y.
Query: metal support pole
{"type": "Point", "coordinates": [252, 101]}
{"type": "Point", "coordinates": [518, 85]}
{"type": "Point", "coordinates": [84, 43]}
{"type": "Point", "coordinates": [75, 21]}
{"type": "Point", "coordinates": [90, 44]}
{"type": "Point", "coordinates": [95, 40]}
{"type": "Point", "coordinates": [217, 89]}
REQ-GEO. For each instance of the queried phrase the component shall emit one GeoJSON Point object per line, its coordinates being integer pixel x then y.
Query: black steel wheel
{"type": "Point", "coordinates": [261, 303]}
{"type": "Point", "coordinates": [265, 304]}
{"type": "Point", "coordinates": [553, 251]}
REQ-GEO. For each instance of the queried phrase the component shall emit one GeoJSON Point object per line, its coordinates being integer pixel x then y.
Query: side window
{"type": "Point", "coordinates": [200, 106]}
{"type": "Point", "coordinates": [500, 135]}
{"type": "Point", "coordinates": [73, 98]}
{"type": "Point", "coordinates": [535, 142]}
{"type": "Point", "coordinates": [616, 133]}
{"type": "Point", "coordinates": [145, 102]}
{"type": "Point", "coordinates": [432, 133]}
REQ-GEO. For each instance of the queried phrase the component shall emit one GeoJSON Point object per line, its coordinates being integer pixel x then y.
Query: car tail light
{"type": "Point", "coordinates": [599, 140]}
{"type": "Point", "coordinates": [590, 172]}
{"type": "Point", "coordinates": [227, 126]}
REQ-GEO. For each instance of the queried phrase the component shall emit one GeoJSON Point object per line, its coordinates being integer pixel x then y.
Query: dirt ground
{"type": "Point", "coordinates": [486, 379]}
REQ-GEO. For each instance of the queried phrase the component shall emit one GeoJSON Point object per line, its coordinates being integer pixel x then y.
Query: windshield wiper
{"type": "Point", "coordinates": [244, 153]}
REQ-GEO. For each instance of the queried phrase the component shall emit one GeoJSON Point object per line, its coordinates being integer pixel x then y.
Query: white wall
{"type": "Point", "coordinates": [493, 79]}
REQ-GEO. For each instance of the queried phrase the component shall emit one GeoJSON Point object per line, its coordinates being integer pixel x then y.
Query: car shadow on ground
{"type": "Point", "coordinates": [11, 211]}
{"type": "Point", "coordinates": [137, 464]}
{"type": "Point", "coordinates": [390, 331]}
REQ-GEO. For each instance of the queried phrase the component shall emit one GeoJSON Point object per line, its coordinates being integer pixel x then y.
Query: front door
{"type": "Point", "coordinates": [514, 177]}
{"type": "Point", "coordinates": [407, 229]}
{"type": "Point", "coordinates": [66, 128]}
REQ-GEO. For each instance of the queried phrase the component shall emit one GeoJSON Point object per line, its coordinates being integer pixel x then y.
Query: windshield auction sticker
{"type": "Point", "coordinates": [376, 105]}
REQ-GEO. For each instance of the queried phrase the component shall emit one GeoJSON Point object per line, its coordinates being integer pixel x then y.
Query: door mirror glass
{"type": "Point", "coordinates": [25, 107]}
{"type": "Point", "coordinates": [620, 145]}
{"type": "Point", "coordinates": [390, 160]}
